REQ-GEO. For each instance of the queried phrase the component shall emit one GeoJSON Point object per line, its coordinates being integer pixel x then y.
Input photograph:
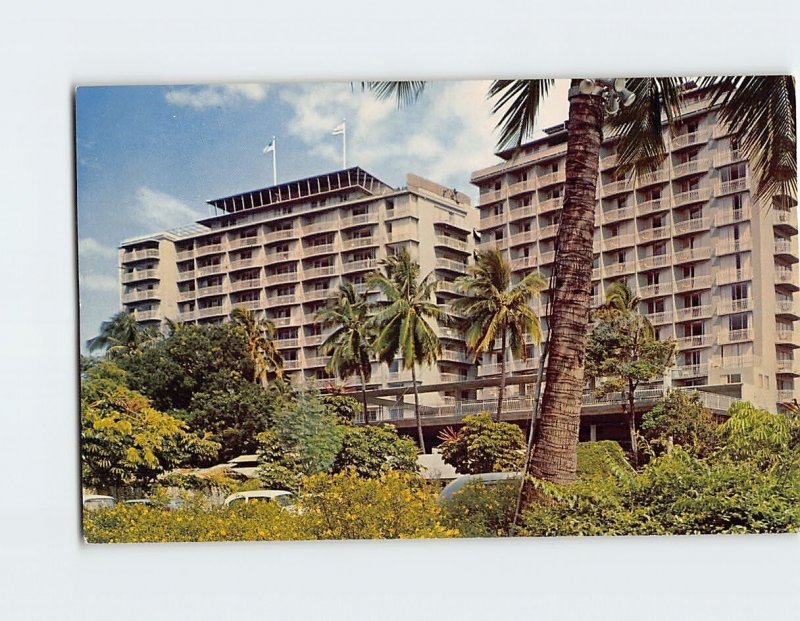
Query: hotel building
{"type": "Point", "coordinates": [714, 267]}
{"type": "Point", "coordinates": [282, 252]}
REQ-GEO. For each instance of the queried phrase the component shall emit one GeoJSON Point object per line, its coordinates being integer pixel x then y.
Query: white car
{"type": "Point", "coordinates": [278, 496]}
{"type": "Point", "coordinates": [92, 502]}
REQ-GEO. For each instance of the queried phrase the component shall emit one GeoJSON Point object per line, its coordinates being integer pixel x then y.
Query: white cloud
{"type": "Point", "coordinates": [89, 247]}
{"type": "Point", "coordinates": [99, 282]}
{"type": "Point", "coordinates": [215, 96]}
{"type": "Point", "coordinates": [445, 135]}
{"type": "Point", "coordinates": [161, 211]}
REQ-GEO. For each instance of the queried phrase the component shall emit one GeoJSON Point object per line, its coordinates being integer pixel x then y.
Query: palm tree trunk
{"type": "Point", "coordinates": [501, 391]}
{"type": "Point", "coordinates": [364, 395]}
{"type": "Point", "coordinates": [555, 446]}
{"type": "Point", "coordinates": [632, 424]}
{"type": "Point", "coordinates": [416, 409]}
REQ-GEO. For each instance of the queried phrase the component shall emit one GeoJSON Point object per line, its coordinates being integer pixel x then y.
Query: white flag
{"type": "Point", "coordinates": [270, 147]}
{"type": "Point", "coordinates": [339, 129]}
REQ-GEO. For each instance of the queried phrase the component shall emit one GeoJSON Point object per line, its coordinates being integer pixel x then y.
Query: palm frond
{"type": "Point", "coordinates": [518, 102]}
{"type": "Point", "coordinates": [404, 92]}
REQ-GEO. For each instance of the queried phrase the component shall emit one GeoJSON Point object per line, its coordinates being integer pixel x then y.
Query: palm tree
{"type": "Point", "coordinates": [260, 342]}
{"type": "Point", "coordinates": [761, 110]}
{"type": "Point", "coordinates": [492, 307]}
{"type": "Point", "coordinates": [400, 320]}
{"type": "Point", "coordinates": [121, 333]}
{"type": "Point", "coordinates": [621, 299]}
{"type": "Point", "coordinates": [350, 344]}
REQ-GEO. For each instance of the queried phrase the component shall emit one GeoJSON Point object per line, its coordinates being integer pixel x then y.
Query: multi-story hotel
{"type": "Point", "coordinates": [282, 252]}
{"type": "Point", "coordinates": [714, 267]}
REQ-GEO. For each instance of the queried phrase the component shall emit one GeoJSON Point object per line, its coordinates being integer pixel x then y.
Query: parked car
{"type": "Point", "coordinates": [487, 478]}
{"type": "Point", "coordinates": [93, 502]}
{"type": "Point", "coordinates": [139, 501]}
{"type": "Point", "coordinates": [278, 496]}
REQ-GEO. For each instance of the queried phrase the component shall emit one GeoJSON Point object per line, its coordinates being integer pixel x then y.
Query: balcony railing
{"type": "Point", "coordinates": [615, 215]}
{"type": "Point", "coordinates": [608, 161]}
{"type": "Point", "coordinates": [655, 261]}
{"type": "Point", "coordinates": [690, 168]}
{"type": "Point", "coordinates": [359, 266]}
{"type": "Point", "coordinates": [281, 322]}
{"type": "Point", "coordinates": [244, 242]}
{"type": "Point", "coordinates": [521, 213]}
{"type": "Point", "coordinates": [310, 251]}
{"type": "Point", "coordinates": [184, 255]}
{"type": "Point", "coordinates": [689, 313]}
{"type": "Point", "coordinates": [653, 205]}
{"type": "Point", "coordinates": [652, 178]}
{"type": "Point", "coordinates": [692, 284]}
{"type": "Point", "coordinates": [317, 272]}
{"type": "Point", "coordinates": [616, 269]}
{"type": "Point", "coordinates": [731, 216]}
{"type": "Point", "coordinates": [729, 276]}
{"type": "Point", "coordinates": [692, 225]}
{"type": "Point", "coordinates": [729, 187]}
{"type": "Point", "coordinates": [450, 355]}
{"type": "Point", "coordinates": [732, 362]}
{"type": "Point", "coordinates": [731, 246]}
{"type": "Point", "coordinates": [522, 263]}
{"type": "Point", "coordinates": [729, 157]}
{"type": "Point", "coordinates": [619, 241]}
{"type": "Point", "coordinates": [451, 242]}
{"type": "Point", "coordinates": [140, 296]}
{"type": "Point", "coordinates": [287, 343]}
{"type": "Point", "coordinates": [203, 292]}
{"type": "Point", "coordinates": [736, 336]}
{"type": "Point", "coordinates": [785, 395]}
{"type": "Point", "coordinates": [138, 255]}
{"type": "Point", "coordinates": [552, 178]}
{"type": "Point", "coordinates": [782, 246]}
{"type": "Point", "coordinates": [280, 300]}
{"type": "Point", "coordinates": [784, 217]}
{"type": "Point", "coordinates": [492, 221]}
{"type": "Point", "coordinates": [522, 186]}
{"type": "Point", "coordinates": [689, 139]}
{"type": "Point", "coordinates": [243, 263]}
{"type": "Point", "coordinates": [274, 236]}
{"type": "Point", "coordinates": [785, 276]}
{"type": "Point", "coordinates": [360, 219]}
{"type": "Point", "coordinates": [209, 249]}
{"type": "Point", "coordinates": [312, 295]}
{"type": "Point", "coordinates": [280, 278]}
{"type": "Point", "coordinates": [650, 291]}
{"type": "Point", "coordinates": [617, 187]}
{"type": "Point", "coordinates": [784, 337]}
{"type": "Point", "coordinates": [686, 372]}
{"type": "Point", "coordinates": [146, 315]}
{"type": "Point", "coordinates": [551, 230]}
{"type": "Point", "coordinates": [449, 264]}
{"type": "Point", "coordinates": [208, 270]}
{"type": "Point", "coordinates": [287, 255]}
{"type": "Point", "coordinates": [660, 318]}
{"type": "Point", "coordinates": [139, 275]}
{"type": "Point", "coordinates": [315, 361]}
{"type": "Point", "coordinates": [449, 287]}
{"type": "Point", "coordinates": [729, 307]}
{"type": "Point", "coordinates": [787, 365]}
{"type": "Point", "coordinates": [247, 304]}
{"type": "Point", "coordinates": [187, 294]}
{"type": "Point", "coordinates": [654, 234]}
{"type": "Point", "coordinates": [492, 196]}
{"type": "Point", "coordinates": [787, 307]}
{"type": "Point", "coordinates": [245, 283]}
{"type": "Point", "coordinates": [359, 242]}
{"type": "Point", "coordinates": [525, 237]}
{"type": "Point", "coordinates": [213, 311]}
{"type": "Point", "coordinates": [692, 342]}
{"type": "Point", "coordinates": [186, 275]}
{"type": "Point", "coordinates": [700, 253]}
{"type": "Point", "coordinates": [691, 196]}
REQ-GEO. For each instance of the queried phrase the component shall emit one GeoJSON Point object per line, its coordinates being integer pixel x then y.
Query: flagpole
{"type": "Point", "coordinates": [274, 161]}
{"type": "Point", "coordinates": [344, 144]}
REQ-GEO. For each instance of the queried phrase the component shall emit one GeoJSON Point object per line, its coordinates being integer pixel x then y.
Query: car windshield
{"type": "Point", "coordinates": [98, 503]}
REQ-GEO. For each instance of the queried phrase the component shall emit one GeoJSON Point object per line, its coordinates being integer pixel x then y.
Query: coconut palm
{"type": "Point", "coordinates": [350, 344]}
{"type": "Point", "coordinates": [121, 334]}
{"type": "Point", "coordinates": [493, 307]}
{"type": "Point", "coordinates": [401, 320]}
{"type": "Point", "coordinates": [260, 343]}
{"type": "Point", "coordinates": [760, 109]}
{"type": "Point", "coordinates": [621, 299]}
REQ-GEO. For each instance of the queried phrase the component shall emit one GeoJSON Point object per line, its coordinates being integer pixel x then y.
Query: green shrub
{"type": "Point", "coordinates": [681, 419]}
{"type": "Point", "coordinates": [604, 458]}
{"type": "Point", "coordinates": [479, 510]}
{"type": "Point", "coordinates": [482, 445]}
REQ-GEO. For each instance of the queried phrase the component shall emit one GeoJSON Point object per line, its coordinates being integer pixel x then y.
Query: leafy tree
{"type": "Point", "coordinates": [350, 344]}
{"type": "Point", "coordinates": [121, 334]}
{"type": "Point", "coordinates": [753, 434]}
{"type": "Point", "coordinates": [304, 439]}
{"type": "Point", "coordinates": [492, 307]}
{"type": "Point", "coordinates": [623, 352]}
{"type": "Point", "coordinates": [234, 415]}
{"type": "Point", "coordinates": [479, 510]}
{"type": "Point", "coordinates": [375, 450]}
{"type": "Point", "coordinates": [260, 343]}
{"type": "Point", "coordinates": [193, 359]}
{"type": "Point", "coordinates": [483, 445]}
{"type": "Point", "coordinates": [760, 109]}
{"type": "Point", "coordinates": [401, 320]}
{"type": "Point", "coordinates": [682, 419]}
{"type": "Point", "coordinates": [342, 407]}
{"type": "Point", "coordinates": [124, 441]}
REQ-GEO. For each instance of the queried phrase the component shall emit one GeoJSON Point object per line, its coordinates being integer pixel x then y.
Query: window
{"type": "Point", "coordinates": [739, 291]}
{"type": "Point", "coordinates": [738, 322]}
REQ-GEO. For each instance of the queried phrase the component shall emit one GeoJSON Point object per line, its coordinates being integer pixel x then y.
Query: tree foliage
{"type": "Point", "coordinates": [373, 451]}
{"type": "Point", "coordinates": [682, 419]}
{"type": "Point", "coordinates": [483, 445]}
{"type": "Point", "coordinates": [126, 442]}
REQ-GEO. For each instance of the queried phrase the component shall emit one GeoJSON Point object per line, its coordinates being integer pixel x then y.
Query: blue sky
{"type": "Point", "coordinates": [148, 157]}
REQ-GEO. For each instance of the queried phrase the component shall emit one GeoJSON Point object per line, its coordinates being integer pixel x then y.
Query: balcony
{"type": "Point", "coordinates": [548, 256]}
{"type": "Point", "coordinates": [312, 362]}
{"type": "Point", "coordinates": [690, 371]}
{"type": "Point", "coordinates": [289, 343]}
{"type": "Point", "coordinates": [551, 204]}
{"type": "Point", "coordinates": [609, 161]}
{"type": "Point", "coordinates": [726, 158]}
{"type": "Point", "coordinates": [690, 139]}
{"type": "Point", "coordinates": [278, 257]}
{"type": "Point", "coordinates": [327, 225]}
{"type": "Point", "coordinates": [245, 283]}
{"type": "Point", "coordinates": [139, 255]}
{"type": "Point", "coordinates": [359, 242]}
{"type": "Point", "coordinates": [212, 311]}
{"type": "Point", "coordinates": [251, 305]}
{"type": "Point", "coordinates": [349, 267]}
{"type": "Point", "coordinates": [693, 284]}
{"type": "Point", "coordinates": [140, 296]}
{"type": "Point", "coordinates": [313, 340]}
{"type": "Point", "coordinates": [656, 290]}
{"type": "Point", "coordinates": [281, 322]}
{"type": "Point", "coordinates": [652, 206]}
{"type": "Point", "coordinates": [655, 261]}
{"type": "Point", "coordinates": [209, 270]}
{"type": "Point", "coordinates": [280, 278]}
{"type": "Point", "coordinates": [280, 235]}
{"type": "Point", "coordinates": [244, 242]}
{"type": "Point", "coordinates": [735, 336]}
{"type": "Point", "coordinates": [187, 294]}
{"type": "Point", "coordinates": [729, 307]}
{"type": "Point", "coordinates": [787, 366]}
{"type": "Point", "coordinates": [552, 178]}
{"type": "Point", "coordinates": [787, 307]}
{"type": "Point", "coordinates": [616, 215]}
{"type": "Point", "coordinates": [691, 196]}
{"type": "Point", "coordinates": [619, 241]}
{"type": "Point", "coordinates": [282, 300]}
{"type": "Point", "coordinates": [186, 275]}
{"type": "Point", "coordinates": [617, 269]}
{"type": "Point", "coordinates": [786, 276]}
{"type": "Point", "coordinates": [523, 263]}
{"type": "Point", "coordinates": [313, 295]}
{"type": "Point", "coordinates": [184, 255]}
{"type": "Point", "coordinates": [449, 333]}
{"type": "Point", "coordinates": [450, 355]}
{"type": "Point", "coordinates": [291, 365]}
{"type": "Point", "coordinates": [451, 265]}
{"type": "Point", "coordinates": [521, 213]}
{"type": "Point", "coordinates": [359, 220]}
{"type": "Point", "coordinates": [521, 187]}
{"type": "Point", "coordinates": [692, 225]}
{"type": "Point", "coordinates": [447, 286]}
{"type": "Point", "coordinates": [732, 362]}
{"type": "Point", "coordinates": [785, 337]}
{"type": "Point", "coordinates": [785, 395]}
{"type": "Point", "coordinates": [783, 248]}
{"type": "Point", "coordinates": [731, 216]}
{"type": "Point", "coordinates": [188, 315]}
{"type": "Point", "coordinates": [139, 275]}
{"type": "Point", "coordinates": [694, 342]}
{"type": "Point", "coordinates": [660, 318]}
{"type": "Point", "coordinates": [617, 187]}
{"type": "Point", "coordinates": [785, 219]}
{"type": "Point", "coordinates": [654, 234]}
{"type": "Point", "coordinates": [693, 167]}
{"type": "Point", "coordinates": [319, 249]}
{"type": "Point", "coordinates": [492, 196]}
{"type": "Point", "coordinates": [326, 271]}
{"type": "Point", "coordinates": [546, 232]}
{"type": "Point", "coordinates": [146, 315]}
{"type": "Point", "coordinates": [239, 264]}
{"type": "Point", "coordinates": [730, 276]}
{"type": "Point", "coordinates": [690, 313]}
{"type": "Point", "coordinates": [731, 246]}
{"type": "Point", "coordinates": [526, 237]}
{"type": "Point", "coordinates": [451, 242]}
{"type": "Point", "coordinates": [689, 255]}
{"type": "Point", "coordinates": [733, 186]}
{"type": "Point", "coordinates": [492, 221]}
{"type": "Point", "coordinates": [204, 292]}
{"type": "Point", "coordinates": [201, 251]}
